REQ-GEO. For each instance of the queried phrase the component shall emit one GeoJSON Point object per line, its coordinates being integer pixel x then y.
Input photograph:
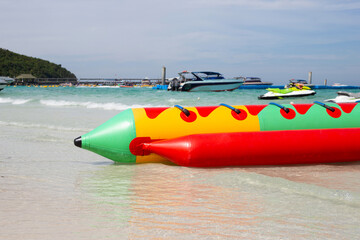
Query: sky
{"type": "Point", "coordinates": [276, 40]}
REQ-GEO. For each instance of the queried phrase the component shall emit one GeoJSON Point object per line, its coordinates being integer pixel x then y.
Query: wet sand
{"type": "Point", "coordinates": [51, 189]}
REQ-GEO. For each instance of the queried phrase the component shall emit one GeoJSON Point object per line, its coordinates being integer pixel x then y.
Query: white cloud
{"type": "Point", "coordinates": [264, 4]}
{"type": "Point", "coordinates": [283, 4]}
{"type": "Point", "coordinates": [135, 36]}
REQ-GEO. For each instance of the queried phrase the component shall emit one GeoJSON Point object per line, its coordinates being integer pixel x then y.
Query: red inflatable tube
{"type": "Point", "coordinates": [256, 148]}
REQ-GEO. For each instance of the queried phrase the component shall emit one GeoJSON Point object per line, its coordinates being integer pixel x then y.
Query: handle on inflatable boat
{"type": "Point", "coordinates": [230, 107]}
{"type": "Point", "coordinates": [280, 106]}
{"type": "Point", "coordinates": [184, 110]}
{"type": "Point", "coordinates": [325, 106]}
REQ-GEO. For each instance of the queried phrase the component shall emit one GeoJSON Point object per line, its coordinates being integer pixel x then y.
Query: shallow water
{"type": "Point", "coordinates": [52, 190]}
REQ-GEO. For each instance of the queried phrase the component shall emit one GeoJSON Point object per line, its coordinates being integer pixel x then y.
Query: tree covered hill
{"type": "Point", "coordinates": [13, 64]}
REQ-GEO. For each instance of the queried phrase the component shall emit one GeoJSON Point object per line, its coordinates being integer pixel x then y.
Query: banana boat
{"type": "Point", "coordinates": [227, 135]}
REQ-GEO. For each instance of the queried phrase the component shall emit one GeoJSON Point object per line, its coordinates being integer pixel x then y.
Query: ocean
{"type": "Point", "coordinates": [51, 189]}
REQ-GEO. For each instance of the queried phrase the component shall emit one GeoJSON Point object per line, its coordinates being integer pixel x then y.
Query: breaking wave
{"type": "Point", "coordinates": [14, 101]}
{"type": "Point", "coordinates": [91, 105]}
{"type": "Point", "coordinates": [43, 126]}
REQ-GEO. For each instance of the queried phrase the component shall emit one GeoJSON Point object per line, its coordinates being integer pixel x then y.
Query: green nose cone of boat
{"type": "Point", "coordinates": [112, 138]}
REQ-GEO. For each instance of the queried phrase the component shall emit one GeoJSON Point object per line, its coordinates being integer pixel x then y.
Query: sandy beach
{"type": "Point", "coordinates": [52, 190]}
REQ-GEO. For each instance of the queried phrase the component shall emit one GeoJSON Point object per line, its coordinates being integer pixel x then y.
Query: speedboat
{"type": "Point", "coordinates": [2, 84]}
{"type": "Point", "coordinates": [294, 91]}
{"type": "Point", "coordinates": [203, 81]}
{"type": "Point", "coordinates": [4, 81]}
{"type": "Point", "coordinates": [345, 97]}
{"type": "Point", "coordinates": [8, 80]}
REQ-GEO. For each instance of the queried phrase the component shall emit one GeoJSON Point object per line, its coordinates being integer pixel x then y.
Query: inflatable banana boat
{"type": "Point", "coordinates": [224, 135]}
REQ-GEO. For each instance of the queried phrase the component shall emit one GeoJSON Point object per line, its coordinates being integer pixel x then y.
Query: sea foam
{"type": "Point", "coordinates": [14, 101]}
{"type": "Point", "coordinates": [92, 105]}
{"type": "Point", "coordinates": [43, 126]}
{"type": "Point", "coordinates": [173, 100]}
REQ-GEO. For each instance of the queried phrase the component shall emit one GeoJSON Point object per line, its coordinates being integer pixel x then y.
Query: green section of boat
{"type": "Point", "coordinates": [287, 90]}
{"type": "Point", "coordinates": [278, 90]}
{"type": "Point", "coordinates": [317, 117]}
{"type": "Point", "coordinates": [112, 139]}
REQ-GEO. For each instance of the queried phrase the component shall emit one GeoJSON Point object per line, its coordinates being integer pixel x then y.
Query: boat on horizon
{"type": "Point", "coordinates": [203, 82]}
{"type": "Point", "coordinates": [339, 85]}
{"type": "Point", "coordinates": [301, 81]}
{"type": "Point", "coordinates": [255, 81]}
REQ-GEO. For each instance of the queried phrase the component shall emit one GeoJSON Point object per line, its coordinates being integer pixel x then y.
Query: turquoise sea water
{"type": "Point", "coordinates": [52, 190]}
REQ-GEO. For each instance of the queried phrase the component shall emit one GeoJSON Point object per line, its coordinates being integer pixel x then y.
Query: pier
{"type": "Point", "coordinates": [119, 81]}
{"type": "Point", "coordinates": [44, 81]}
{"type": "Point", "coordinates": [93, 81]}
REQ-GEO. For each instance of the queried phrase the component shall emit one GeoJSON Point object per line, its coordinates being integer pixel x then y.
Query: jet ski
{"type": "Point", "coordinates": [295, 90]}
{"type": "Point", "coordinates": [345, 97]}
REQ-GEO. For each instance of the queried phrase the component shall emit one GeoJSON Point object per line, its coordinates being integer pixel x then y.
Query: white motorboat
{"type": "Point", "coordinates": [203, 81]}
{"type": "Point", "coordinates": [277, 93]}
{"type": "Point", "coordinates": [4, 81]}
{"type": "Point", "coordinates": [9, 80]}
{"type": "Point", "coordinates": [345, 97]}
{"type": "Point", "coordinates": [339, 85]}
{"type": "Point", "coordinates": [2, 84]}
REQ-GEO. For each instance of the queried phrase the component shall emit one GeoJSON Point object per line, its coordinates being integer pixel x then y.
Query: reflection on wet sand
{"type": "Point", "coordinates": [161, 199]}
{"type": "Point", "coordinates": [340, 176]}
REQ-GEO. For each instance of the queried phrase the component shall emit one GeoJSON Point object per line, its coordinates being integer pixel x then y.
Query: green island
{"type": "Point", "coordinates": [14, 64]}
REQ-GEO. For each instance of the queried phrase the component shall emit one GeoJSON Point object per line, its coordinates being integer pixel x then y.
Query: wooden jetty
{"type": "Point", "coordinates": [93, 81]}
